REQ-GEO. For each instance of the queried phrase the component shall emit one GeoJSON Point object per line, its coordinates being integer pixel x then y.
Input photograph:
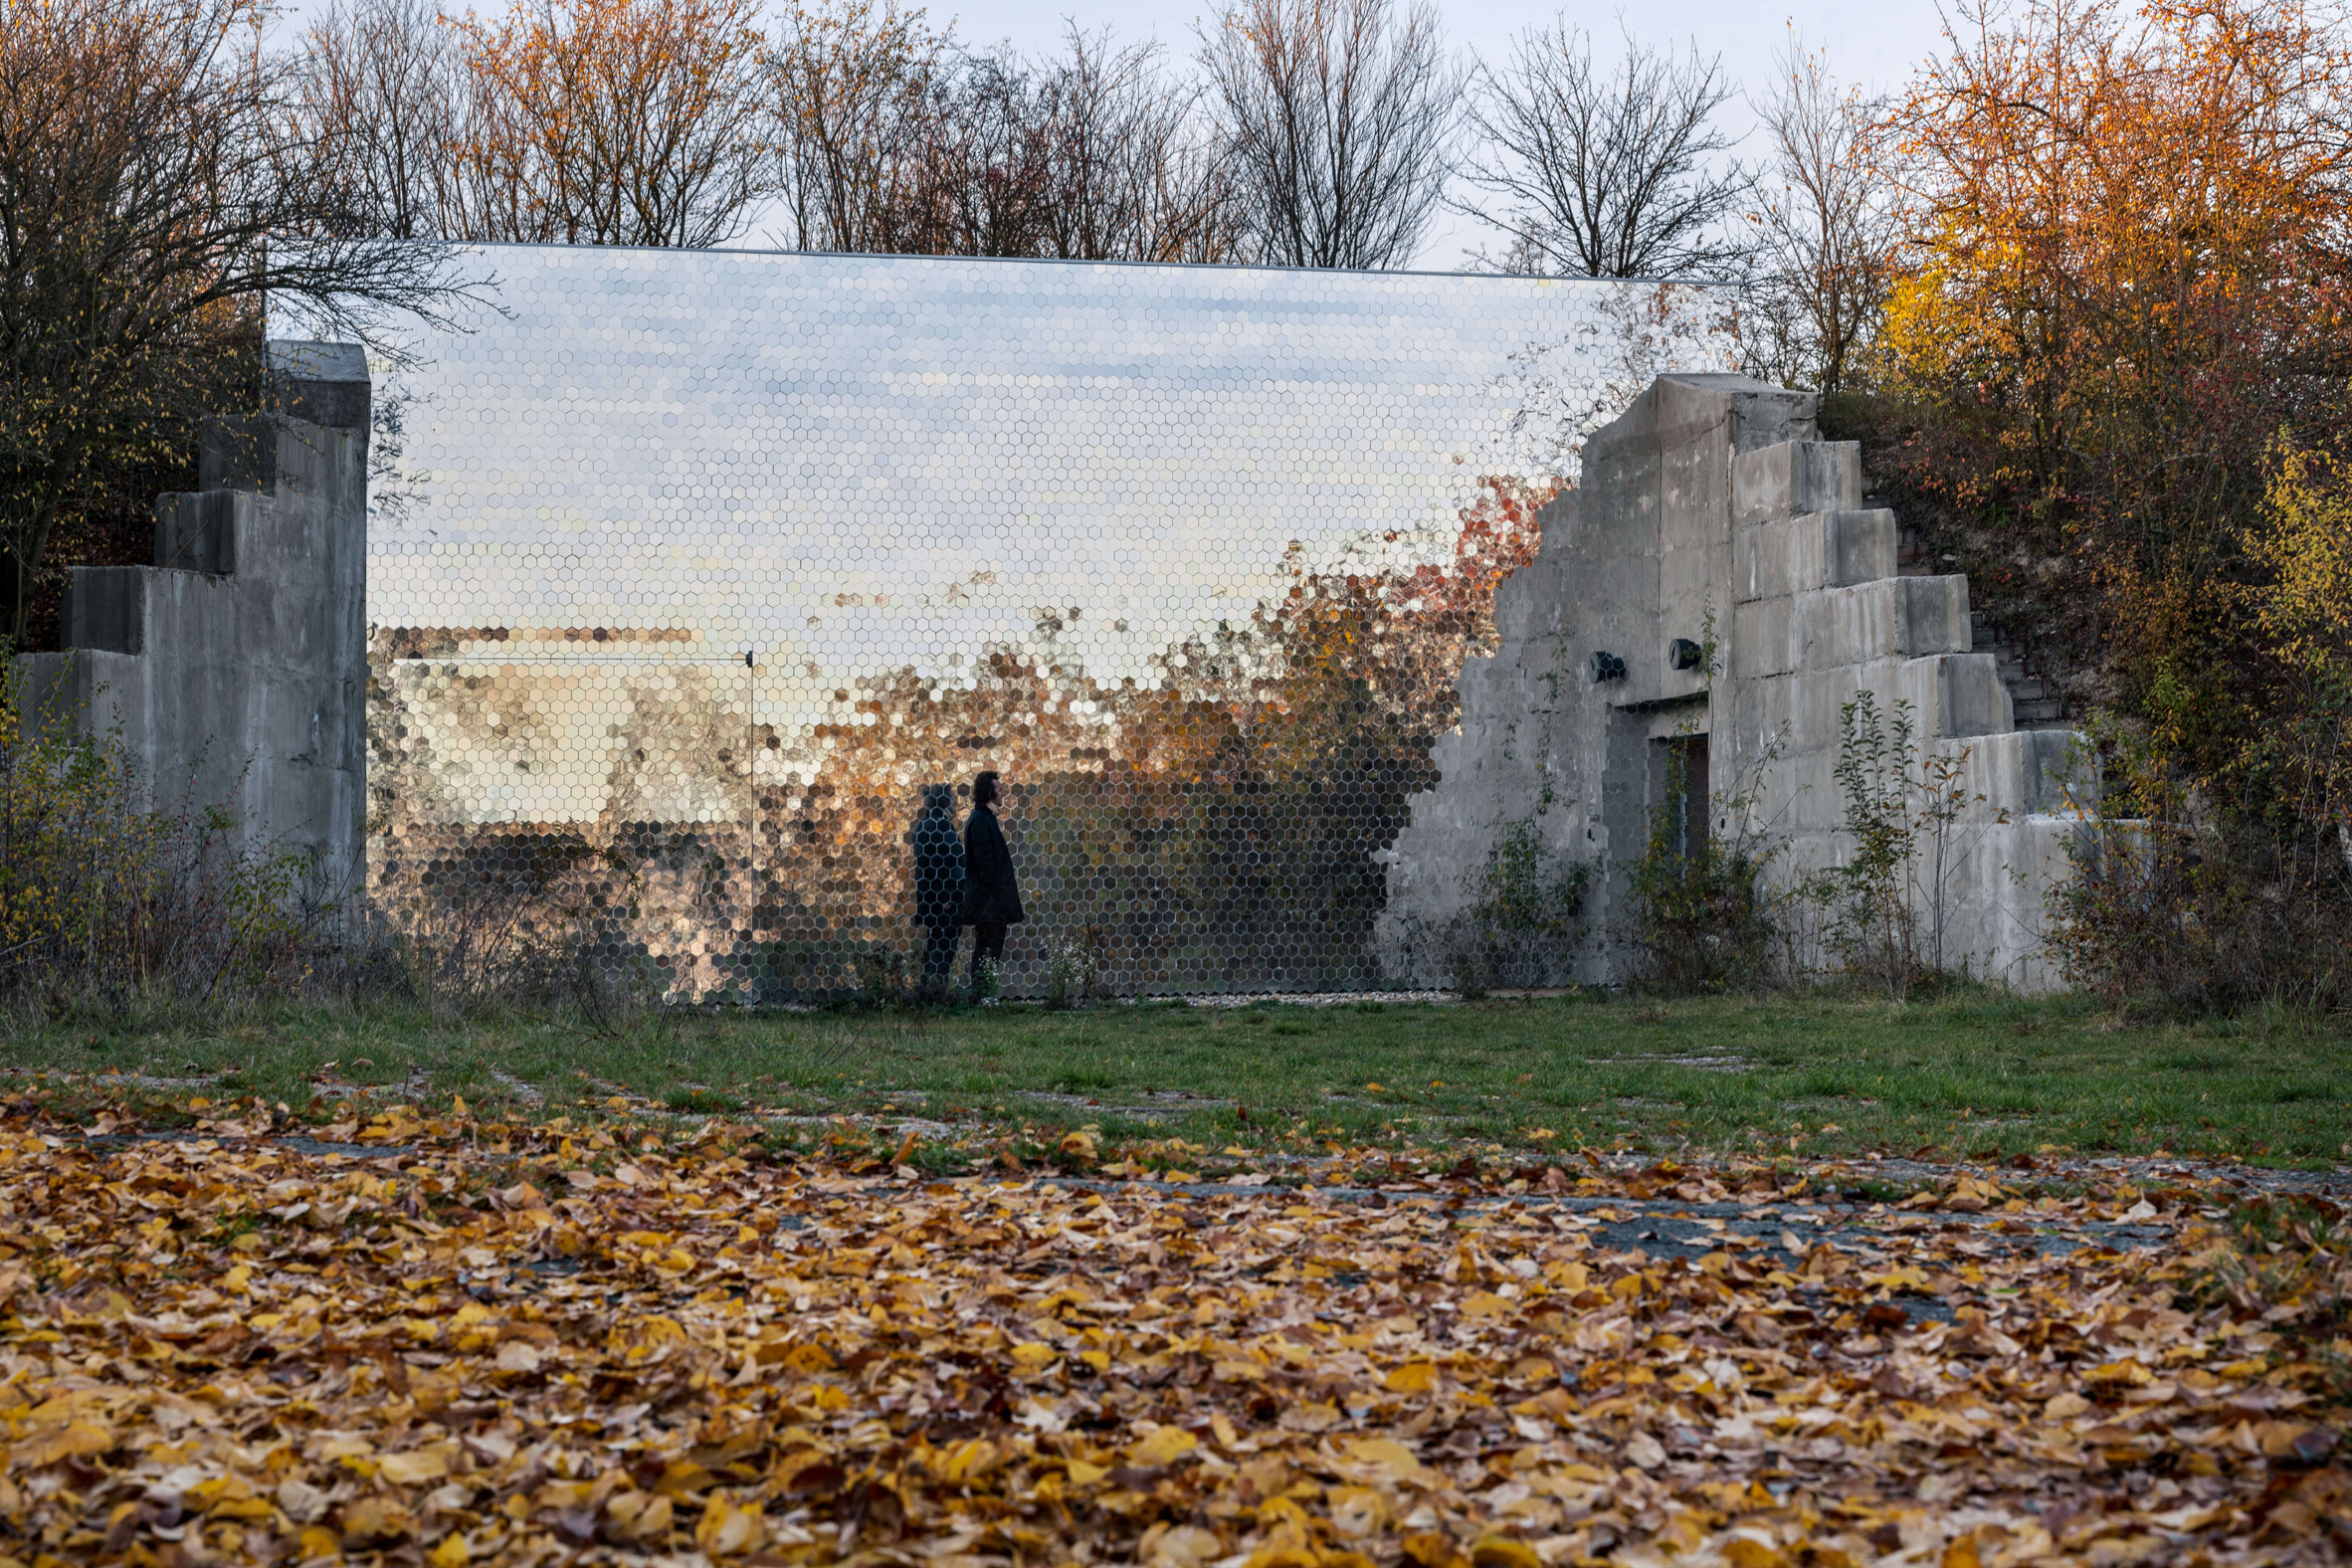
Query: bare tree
{"type": "Point", "coordinates": [379, 89]}
{"type": "Point", "coordinates": [1133, 174]}
{"type": "Point", "coordinates": [151, 193]}
{"type": "Point", "coordinates": [1337, 116]}
{"type": "Point", "coordinates": [612, 122]}
{"type": "Point", "coordinates": [1603, 171]}
{"type": "Point", "coordinates": [1824, 226]}
{"type": "Point", "coordinates": [893, 138]}
{"type": "Point", "coordinates": [984, 179]}
{"type": "Point", "coordinates": [854, 85]}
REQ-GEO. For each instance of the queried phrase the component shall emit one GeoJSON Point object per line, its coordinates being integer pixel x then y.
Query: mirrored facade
{"type": "Point", "coordinates": [691, 573]}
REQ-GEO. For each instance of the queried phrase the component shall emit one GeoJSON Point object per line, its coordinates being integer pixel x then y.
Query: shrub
{"type": "Point", "coordinates": [102, 896]}
{"type": "Point", "coordinates": [2176, 910]}
{"type": "Point", "coordinates": [1074, 967]}
{"type": "Point", "coordinates": [1521, 923]}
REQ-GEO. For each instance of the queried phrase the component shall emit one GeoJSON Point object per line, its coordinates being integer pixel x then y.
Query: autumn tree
{"type": "Point", "coordinates": [2125, 272]}
{"type": "Point", "coordinates": [855, 86]}
{"type": "Point", "coordinates": [1603, 171]}
{"type": "Point", "coordinates": [611, 122]}
{"type": "Point", "coordinates": [155, 185]}
{"type": "Point", "coordinates": [1338, 117]}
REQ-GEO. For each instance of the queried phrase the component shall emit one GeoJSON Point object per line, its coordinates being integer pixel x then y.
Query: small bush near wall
{"type": "Point", "coordinates": [102, 898]}
{"type": "Point", "coordinates": [1702, 918]}
{"type": "Point", "coordinates": [2173, 910]}
{"type": "Point", "coordinates": [1522, 921]}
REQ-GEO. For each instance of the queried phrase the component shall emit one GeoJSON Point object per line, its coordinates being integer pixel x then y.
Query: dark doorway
{"type": "Point", "coordinates": [1686, 794]}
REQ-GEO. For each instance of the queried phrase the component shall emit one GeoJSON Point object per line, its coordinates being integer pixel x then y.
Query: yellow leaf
{"type": "Point", "coordinates": [1485, 1303]}
{"type": "Point", "coordinates": [1501, 1551]}
{"type": "Point", "coordinates": [1032, 1358]}
{"type": "Point", "coordinates": [1394, 1461]}
{"type": "Point", "coordinates": [1745, 1551]}
{"type": "Point", "coordinates": [968, 1461]}
{"type": "Point", "coordinates": [406, 1469]}
{"type": "Point", "coordinates": [374, 1518]}
{"type": "Point", "coordinates": [725, 1530]}
{"type": "Point", "coordinates": [1179, 1546]}
{"type": "Point", "coordinates": [320, 1542]}
{"type": "Point", "coordinates": [1085, 1474]}
{"type": "Point", "coordinates": [74, 1439]}
{"type": "Point", "coordinates": [1162, 1446]}
{"type": "Point", "coordinates": [808, 1358]}
{"type": "Point", "coordinates": [452, 1552]}
{"type": "Point", "coordinates": [1413, 1377]}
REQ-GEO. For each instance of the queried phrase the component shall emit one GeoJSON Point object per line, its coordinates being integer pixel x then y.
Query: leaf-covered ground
{"type": "Point", "coordinates": [518, 1343]}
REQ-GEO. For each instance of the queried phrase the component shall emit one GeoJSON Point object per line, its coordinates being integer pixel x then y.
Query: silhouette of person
{"type": "Point", "coordinates": [992, 898]}
{"type": "Point", "coordinates": [938, 885]}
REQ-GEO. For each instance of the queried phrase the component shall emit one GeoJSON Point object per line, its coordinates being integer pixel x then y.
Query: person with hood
{"type": "Point", "coordinates": [992, 899]}
{"type": "Point", "coordinates": [938, 886]}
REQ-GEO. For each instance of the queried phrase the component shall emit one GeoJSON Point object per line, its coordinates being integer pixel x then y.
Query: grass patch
{"type": "Point", "coordinates": [1978, 1074]}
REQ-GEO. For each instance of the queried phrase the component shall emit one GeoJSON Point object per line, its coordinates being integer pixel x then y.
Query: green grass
{"type": "Point", "coordinates": [1974, 1075]}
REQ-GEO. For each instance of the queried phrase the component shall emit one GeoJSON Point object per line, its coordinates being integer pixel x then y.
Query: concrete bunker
{"type": "Point", "coordinates": [1703, 605]}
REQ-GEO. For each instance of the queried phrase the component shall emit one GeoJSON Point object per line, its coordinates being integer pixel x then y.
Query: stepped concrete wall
{"type": "Point", "coordinates": [234, 671]}
{"type": "Point", "coordinates": [1713, 517]}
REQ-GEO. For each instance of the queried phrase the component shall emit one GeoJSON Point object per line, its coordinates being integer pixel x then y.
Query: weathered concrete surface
{"type": "Point", "coordinates": [234, 671]}
{"type": "Point", "coordinates": [1711, 514]}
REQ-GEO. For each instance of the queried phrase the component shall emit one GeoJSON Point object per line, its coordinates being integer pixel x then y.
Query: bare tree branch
{"type": "Point", "coordinates": [852, 84]}
{"type": "Point", "coordinates": [1337, 116]}
{"type": "Point", "coordinates": [1826, 230]}
{"type": "Point", "coordinates": [1133, 172]}
{"type": "Point", "coordinates": [156, 184]}
{"type": "Point", "coordinates": [379, 89]}
{"type": "Point", "coordinates": [614, 122]}
{"type": "Point", "coordinates": [1604, 173]}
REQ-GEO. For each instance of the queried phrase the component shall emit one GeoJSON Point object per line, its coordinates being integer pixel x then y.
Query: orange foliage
{"type": "Point", "coordinates": [1253, 784]}
{"type": "Point", "coordinates": [2128, 270]}
{"type": "Point", "coordinates": [613, 123]}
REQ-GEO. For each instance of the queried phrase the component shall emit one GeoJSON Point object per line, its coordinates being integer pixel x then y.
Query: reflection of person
{"type": "Point", "coordinates": [992, 900]}
{"type": "Point", "coordinates": [938, 884]}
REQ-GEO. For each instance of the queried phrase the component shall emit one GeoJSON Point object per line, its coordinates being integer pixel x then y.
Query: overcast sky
{"type": "Point", "coordinates": [1873, 43]}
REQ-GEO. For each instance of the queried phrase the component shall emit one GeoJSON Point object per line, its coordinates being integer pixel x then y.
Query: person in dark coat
{"type": "Point", "coordinates": [938, 885]}
{"type": "Point", "coordinates": [992, 899]}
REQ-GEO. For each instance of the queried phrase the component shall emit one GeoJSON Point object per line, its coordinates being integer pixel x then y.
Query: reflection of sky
{"type": "Point", "coordinates": [852, 465]}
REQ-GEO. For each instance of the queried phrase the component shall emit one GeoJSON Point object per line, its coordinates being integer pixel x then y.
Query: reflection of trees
{"type": "Point", "coordinates": [625, 829]}
{"type": "Point", "coordinates": [1217, 830]}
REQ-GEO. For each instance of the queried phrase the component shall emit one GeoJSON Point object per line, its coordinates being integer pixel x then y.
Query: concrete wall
{"type": "Point", "coordinates": [234, 669]}
{"type": "Point", "coordinates": [1711, 514]}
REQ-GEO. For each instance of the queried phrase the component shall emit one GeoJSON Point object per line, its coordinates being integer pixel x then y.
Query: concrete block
{"type": "Point", "coordinates": [85, 691]}
{"type": "Point", "coordinates": [1957, 695]}
{"type": "Point", "coordinates": [236, 673]}
{"type": "Point", "coordinates": [323, 384]}
{"type": "Point", "coordinates": [1761, 643]}
{"type": "Point", "coordinates": [1935, 614]}
{"type": "Point", "coordinates": [196, 530]}
{"type": "Point", "coordinates": [1860, 546]}
{"type": "Point", "coordinates": [107, 608]}
{"type": "Point", "coordinates": [1821, 550]}
{"type": "Point", "coordinates": [1794, 477]}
